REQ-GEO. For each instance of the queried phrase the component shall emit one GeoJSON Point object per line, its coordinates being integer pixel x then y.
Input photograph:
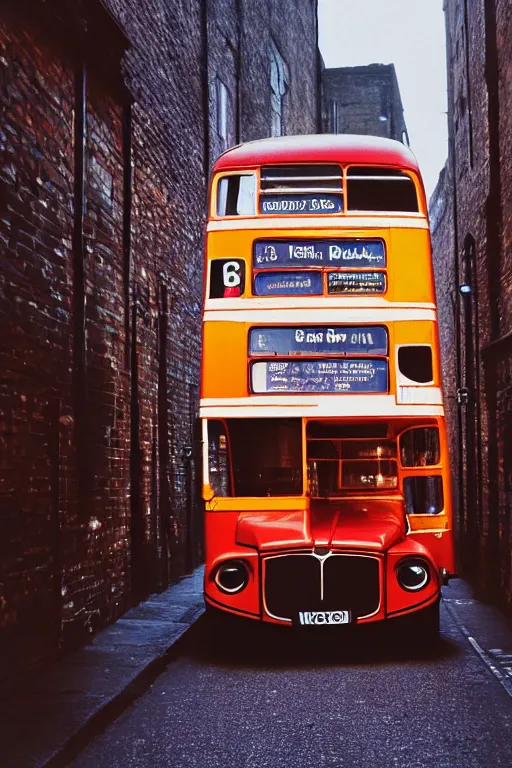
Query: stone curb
{"type": "Point", "coordinates": [111, 709]}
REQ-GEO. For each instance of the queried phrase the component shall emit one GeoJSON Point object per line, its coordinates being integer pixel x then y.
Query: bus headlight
{"type": "Point", "coordinates": [413, 575]}
{"type": "Point", "coordinates": [232, 576]}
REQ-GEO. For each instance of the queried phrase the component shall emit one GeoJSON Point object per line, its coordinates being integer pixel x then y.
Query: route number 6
{"type": "Point", "coordinates": [231, 274]}
{"type": "Point", "coordinates": [227, 278]}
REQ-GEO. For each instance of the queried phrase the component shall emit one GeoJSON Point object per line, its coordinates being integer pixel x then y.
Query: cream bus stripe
{"type": "Point", "coordinates": [345, 406]}
{"type": "Point", "coordinates": [308, 400]}
{"type": "Point", "coordinates": [317, 222]}
{"type": "Point", "coordinates": [320, 302]}
{"type": "Point", "coordinates": [340, 315]}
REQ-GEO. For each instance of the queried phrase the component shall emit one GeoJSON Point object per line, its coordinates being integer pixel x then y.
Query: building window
{"type": "Point", "coordinates": [278, 88]}
{"type": "Point", "coordinates": [467, 52]}
{"type": "Point", "coordinates": [333, 116]}
{"type": "Point", "coordinates": [221, 100]}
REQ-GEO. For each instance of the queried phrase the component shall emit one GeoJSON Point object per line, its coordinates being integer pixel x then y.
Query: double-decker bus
{"type": "Point", "coordinates": [326, 477]}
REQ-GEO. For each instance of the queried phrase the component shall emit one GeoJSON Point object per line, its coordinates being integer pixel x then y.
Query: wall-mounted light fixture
{"type": "Point", "coordinates": [465, 289]}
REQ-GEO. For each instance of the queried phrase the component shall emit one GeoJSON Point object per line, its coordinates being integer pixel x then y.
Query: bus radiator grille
{"type": "Point", "coordinates": [293, 583]}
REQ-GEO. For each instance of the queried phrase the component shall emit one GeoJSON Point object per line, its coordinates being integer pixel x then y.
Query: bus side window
{"type": "Point", "coordinates": [415, 364]}
{"type": "Point", "coordinates": [218, 458]}
{"type": "Point", "coordinates": [423, 495]}
{"type": "Point", "coordinates": [236, 195]}
{"type": "Point", "coordinates": [227, 278]}
{"type": "Point", "coordinates": [420, 447]}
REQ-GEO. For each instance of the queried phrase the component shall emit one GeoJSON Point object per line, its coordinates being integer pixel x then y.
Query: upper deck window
{"type": "Point", "coordinates": [380, 189]}
{"type": "Point", "coordinates": [236, 195]}
{"type": "Point", "coordinates": [301, 178]}
{"type": "Point", "coordinates": [317, 190]}
{"type": "Point", "coordinates": [301, 189]}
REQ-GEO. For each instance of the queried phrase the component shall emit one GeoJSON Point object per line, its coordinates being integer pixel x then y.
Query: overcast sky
{"type": "Point", "coordinates": [409, 34]}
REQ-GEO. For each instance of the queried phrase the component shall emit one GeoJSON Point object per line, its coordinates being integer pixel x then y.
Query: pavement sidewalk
{"type": "Point", "coordinates": [484, 627]}
{"type": "Point", "coordinates": [64, 706]}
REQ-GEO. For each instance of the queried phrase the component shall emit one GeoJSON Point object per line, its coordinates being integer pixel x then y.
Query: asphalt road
{"type": "Point", "coordinates": [270, 698]}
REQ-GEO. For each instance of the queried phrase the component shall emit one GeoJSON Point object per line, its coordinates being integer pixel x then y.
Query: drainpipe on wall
{"type": "Point", "coordinates": [239, 16]}
{"type": "Point", "coordinates": [494, 217]}
{"type": "Point", "coordinates": [493, 207]}
{"type": "Point", "coordinates": [452, 168]}
{"type": "Point", "coordinates": [164, 463]}
{"type": "Point", "coordinates": [127, 227]}
{"type": "Point", "coordinates": [79, 297]}
{"type": "Point", "coordinates": [205, 85]}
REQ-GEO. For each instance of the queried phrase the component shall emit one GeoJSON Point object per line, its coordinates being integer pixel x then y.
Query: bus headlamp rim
{"type": "Point", "coordinates": [411, 562]}
{"type": "Point", "coordinates": [225, 565]}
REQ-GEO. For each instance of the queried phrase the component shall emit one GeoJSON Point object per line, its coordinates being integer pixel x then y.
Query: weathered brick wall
{"type": "Point", "coordinates": [169, 194]}
{"type": "Point", "coordinates": [98, 501]}
{"type": "Point", "coordinates": [441, 228]}
{"type": "Point", "coordinates": [504, 34]}
{"type": "Point", "coordinates": [363, 95]}
{"type": "Point", "coordinates": [69, 563]}
{"type": "Point", "coordinates": [504, 358]}
{"type": "Point", "coordinates": [37, 470]}
{"type": "Point", "coordinates": [293, 27]}
{"type": "Point", "coordinates": [467, 178]}
{"type": "Point", "coordinates": [224, 30]}
{"type": "Point", "coordinates": [468, 166]}
{"type": "Point", "coordinates": [96, 570]}
{"type": "Point", "coordinates": [240, 37]}
{"type": "Point", "coordinates": [480, 166]}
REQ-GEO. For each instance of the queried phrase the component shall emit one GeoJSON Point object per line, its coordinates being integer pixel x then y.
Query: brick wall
{"type": "Point", "coordinates": [168, 215]}
{"type": "Point", "coordinates": [241, 37]}
{"type": "Point", "coordinates": [100, 302]}
{"type": "Point", "coordinates": [224, 29]}
{"type": "Point", "coordinates": [37, 462]}
{"type": "Point", "coordinates": [361, 96]}
{"type": "Point", "coordinates": [476, 344]}
{"type": "Point", "coordinates": [501, 356]}
{"type": "Point", "coordinates": [96, 478]}
{"type": "Point", "coordinates": [441, 228]}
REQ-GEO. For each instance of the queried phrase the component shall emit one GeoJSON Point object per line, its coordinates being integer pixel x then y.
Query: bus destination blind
{"type": "Point", "coordinates": [356, 282]}
{"type": "Point", "coordinates": [300, 204]}
{"type": "Point", "coordinates": [272, 254]}
{"type": "Point", "coordinates": [288, 283]}
{"type": "Point", "coordinates": [326, 376]}
{"type": "Point", "coordinates": [340, 340]}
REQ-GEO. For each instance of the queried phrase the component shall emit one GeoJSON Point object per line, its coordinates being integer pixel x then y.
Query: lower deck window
{"type": "Point", "coordinates": [423, 495]}
{"type": "Point", "coordinates": [265, 454]}
{"type": "Point", "coordinates": [264, 457]}
{"type": "Point", "coordinates": [339, 466]}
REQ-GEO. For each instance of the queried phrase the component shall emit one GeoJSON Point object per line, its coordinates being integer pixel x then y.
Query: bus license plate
{"type": "Point", "coordinates": [324, 617]}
